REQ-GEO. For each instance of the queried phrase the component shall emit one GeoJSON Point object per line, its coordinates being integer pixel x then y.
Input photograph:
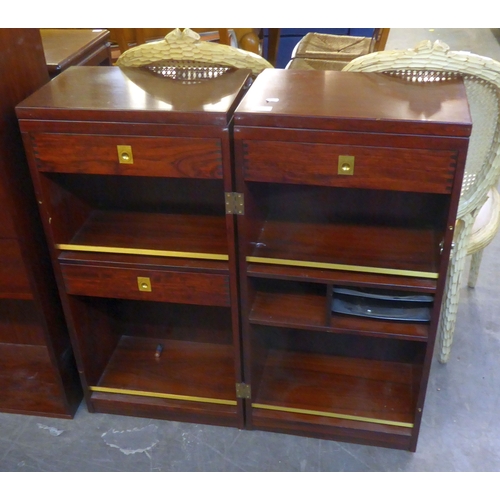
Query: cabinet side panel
{"type": "Point", "coordinates": [28, 382]}
{"type": "Point", "coordinates": [23, 69]}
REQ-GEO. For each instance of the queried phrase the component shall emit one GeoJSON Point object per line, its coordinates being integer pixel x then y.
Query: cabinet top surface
{"type": "Point", "coordinates": [90, 93]}
{"type": "Point", "coordinates": [335, 100]}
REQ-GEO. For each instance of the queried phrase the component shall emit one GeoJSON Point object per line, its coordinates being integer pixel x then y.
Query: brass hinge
{"type": "Point", "coordinates": [235, 203]}
{"type": "Point", "coordinates": [243, 391]}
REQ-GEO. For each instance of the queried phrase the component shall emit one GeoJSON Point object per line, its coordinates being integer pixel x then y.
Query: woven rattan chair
{"type": "Point", "coordinates": [323, 51]}
{"type": "Point", "coordinates": [182, 55]}
{"type": "Point", "coordinates": [478, 216]}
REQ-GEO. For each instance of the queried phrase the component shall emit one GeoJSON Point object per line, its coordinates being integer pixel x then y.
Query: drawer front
{"type": "Point", "coordinates": [140, 284]}
{"type": "Point", "coordinates": [14, 281]}
{"type": "Point", "coordinates": [398, 169]}
{"type": "Point", "coordinates": [127, 155]}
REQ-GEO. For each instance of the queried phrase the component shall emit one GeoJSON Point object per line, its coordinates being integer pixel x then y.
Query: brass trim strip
{"type": "Point", "coordinates": [142, 251]}
{"type": "Point", "coordinates": [332, 415]}
{"type": "Point", "coordinates": [180, 397]}
{"type": "Point", "coordinates": [343, 267]}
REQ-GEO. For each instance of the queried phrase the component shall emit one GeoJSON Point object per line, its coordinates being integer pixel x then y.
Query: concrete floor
{"type": "Point", "coordinates": [460, 429]}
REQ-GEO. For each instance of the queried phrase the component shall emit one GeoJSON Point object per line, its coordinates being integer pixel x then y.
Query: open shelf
{"type": "Point", "coordinates": [164, 351]}
{"type": "Point", "coordinates": [288, 309]}
{"type": "Point", "coordinates": [385, 250]}
{"type": "Point", "coordinates": [188, 371]}
{"type": "Point", "coordinates": [137, 215]}
{"type": "Point", "coordinates": [153, 234]}
{"type": "Point", "coordinates": [347, 278]}
{"type": "Point", "coordinates": [302, 305]}
{"type": "Point", "coordinates": [132, 188]}
{"type": "Point", "coordinates": [343, 249]}
{"type": "Point", "coordinates": [357, 389]}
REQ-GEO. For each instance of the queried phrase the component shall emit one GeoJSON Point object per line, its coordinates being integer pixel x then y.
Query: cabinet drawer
{"type": "Point", "coordinates": [128, 155]}
{"type": "Point", "coordinates": [145, 284]}
{"type": "Point", "coordinates": [419, 170]}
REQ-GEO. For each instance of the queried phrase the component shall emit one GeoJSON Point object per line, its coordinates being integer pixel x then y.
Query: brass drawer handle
{"type": "Point", "coordinates": [125, 154]}
{"type": "Point", "coordinates": [346, 165]}
{"type": "Point", "coordinates": [144, 284]}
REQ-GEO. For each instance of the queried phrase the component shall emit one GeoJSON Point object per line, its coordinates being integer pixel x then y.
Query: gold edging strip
{"type": "Point", "coordinates": [332, 415]}
{"type": "Point", "coordinates": [142, 251]}
{"type": "Point", "coordinates": [342, 267]}
{"type": "Point", "coordinates": [161, 395]}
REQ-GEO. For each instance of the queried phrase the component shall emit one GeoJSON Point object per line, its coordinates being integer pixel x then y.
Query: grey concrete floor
{"type": "Point", "coordinates": [460, 429]}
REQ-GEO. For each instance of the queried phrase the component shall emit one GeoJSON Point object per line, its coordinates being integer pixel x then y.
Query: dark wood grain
{"type": "Point", "coordinates": [348, 101]}
{"type": "Point", "coordinates": [20, 322]}
{"type": "Point", "coordinates": [345, 244]}
{"type": "Point", "coordinates": [184, 368]}
{"type": "Point", "coordinates": [7, 228]}
{"type": "Point", "coordinates": [75, 47]}
{"type": "Point", "coordinates": [166, 286]}
{"type": "Point", "coordinates": [103, 94]}
{"type": "Point", "coordinates": [14, 280]}
{"type": "Point", "coordinates": [374, 168]}
{"type": "Point", "coordinates": [119, 216]}
{"type": "Point", "coordinates": [180, 233]}
{"type": "Point", "coordinates": [294, 310]}
{"type": "Point", "coordinates": [168, 409]}
{"type": "Point", "coordinates": [289, 309]}
{"type": "Point", "coordinates": [113, 260]}
{"type": "Point", "coordinates": [396, 213]}
{"type": "Point", "coordinates": [152, 156]}
{"type": "Point", "coordinates": [363, 433]}
{"type": "Point", "coordinates": [345, 278]}
{"type": "Point", "coordinates": [38, 375]}
{"type": "Point", "coordinates": [356, 387]}
{"type": "Point", "coordinates": [28, 382]}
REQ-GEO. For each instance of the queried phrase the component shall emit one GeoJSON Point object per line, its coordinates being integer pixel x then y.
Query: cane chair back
{"type": "Point", "coordinates": [477, 221]}
{"type": "Point", "coordinates": [183, 55]}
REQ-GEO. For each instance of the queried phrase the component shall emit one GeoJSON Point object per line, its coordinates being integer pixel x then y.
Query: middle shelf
{"type": "Point", "coordinates": [152, 234]}
{"type": "Point", "coordinates": [308, 306]}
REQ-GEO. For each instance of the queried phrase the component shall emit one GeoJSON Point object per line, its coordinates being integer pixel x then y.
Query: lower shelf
{"type": "Point", "coordinates": [337, 429]}
{"type": "Point", "coordinates": [188, 381]}
{"type": "Point", "coordinates": [170, 409]}
{"type": "Point", "coordinates": [183, 371]}
{"type": "Point", "coordinates": [338, 388]}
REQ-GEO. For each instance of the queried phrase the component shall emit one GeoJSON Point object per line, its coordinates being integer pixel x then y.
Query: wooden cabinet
{"type": "Point", "coordinates": [75, 47]}
{"type": "Point", "coordinates": [350, 185]}
{"type": "Point", "coordinates": [282, 273]}
{"type": "Point", "coordinates": [38, 374]}
{"type": "Point", "coordinates": [132, 172]}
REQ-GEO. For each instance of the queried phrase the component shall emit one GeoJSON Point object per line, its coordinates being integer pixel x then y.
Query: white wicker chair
{"type": "Point", "coordinates": [478, 217]}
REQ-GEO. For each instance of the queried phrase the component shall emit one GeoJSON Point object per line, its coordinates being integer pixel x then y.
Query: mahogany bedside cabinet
{"type": "Point", "coordinates": [132, 172]}
{"type": "Point", "coordinates": [38, 374]}
{"type": "Point", "coordinates": [350, 185]}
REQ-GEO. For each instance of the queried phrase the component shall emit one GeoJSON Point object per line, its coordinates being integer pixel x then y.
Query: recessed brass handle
{"type": "Point", "coordinates": [346, 165]}
{"type": "Point", "coordinates": [125, 154]}
{"type": "Point", "coordinates": [144, 284]}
